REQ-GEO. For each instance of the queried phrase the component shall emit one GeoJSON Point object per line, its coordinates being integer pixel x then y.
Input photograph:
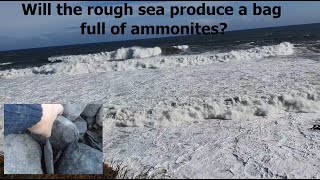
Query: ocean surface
{"type": "Point", "coordinates": [304, 38]}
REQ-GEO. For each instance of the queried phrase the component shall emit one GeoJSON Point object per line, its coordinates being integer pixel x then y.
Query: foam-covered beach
{"type": "Point", "coordinates": [246, 111]}
{"type": "Point", "coordinates": [242, 105]}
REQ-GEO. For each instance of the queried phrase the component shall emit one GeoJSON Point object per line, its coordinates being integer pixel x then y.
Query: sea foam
{"type": "Point", "coordinates": [136, 58]}
{"type": "Point", "coordinates": [119, 54]}
{"type": "Point", "coordinates": [236, 108]}
{"type": "Point", "coordinates": [181, 47]}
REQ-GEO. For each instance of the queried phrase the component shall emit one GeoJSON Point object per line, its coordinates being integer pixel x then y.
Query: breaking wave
{"type": "Point", "coordinates": [119, 54]}
{"type": "Point", "coordinates": [6, 63]}
{"type": "Point", "coordinates": [181, 47]}
{"type": "Point", "coordinates": [234, 108]}
{"type": "Point", "coordinates": [136, 58]}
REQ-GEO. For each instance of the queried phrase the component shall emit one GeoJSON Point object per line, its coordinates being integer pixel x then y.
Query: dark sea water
{"type": "Point", "coordinates": [306, 36]}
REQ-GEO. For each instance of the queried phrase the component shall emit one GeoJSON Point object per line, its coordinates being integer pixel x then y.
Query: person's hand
{"type": "Point", "coordinates": [49, 115]}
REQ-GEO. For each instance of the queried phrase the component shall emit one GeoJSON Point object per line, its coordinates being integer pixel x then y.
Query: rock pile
{"type": "Point", "coordinates": [75, 145]}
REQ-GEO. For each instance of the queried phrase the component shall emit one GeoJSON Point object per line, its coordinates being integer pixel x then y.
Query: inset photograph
{"type": "Point", "coordinates": [53, 138]}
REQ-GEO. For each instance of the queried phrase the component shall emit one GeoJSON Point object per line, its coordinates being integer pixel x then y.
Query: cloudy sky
{"type": "Point", "coordinates": [18, 31]}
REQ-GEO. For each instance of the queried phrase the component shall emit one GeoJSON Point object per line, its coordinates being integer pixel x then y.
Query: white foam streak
{"type": "Point", "coordinates": [181, 47]}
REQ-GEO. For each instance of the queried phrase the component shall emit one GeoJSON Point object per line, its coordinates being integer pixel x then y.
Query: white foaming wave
{"type": "Point", "coordinates": [236, 108]}
{"type": "Point", "coordinates": [181, 47]}
{"type": "Point", "coordinates": [119, 54]}
{"type": "Point", "coordinates": [7, 63]}
{"type": "Point", "coordinates": [94, 63]}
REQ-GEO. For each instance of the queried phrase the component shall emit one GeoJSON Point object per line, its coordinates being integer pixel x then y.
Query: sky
{"type": "Point", "coordinates": [18, 31]}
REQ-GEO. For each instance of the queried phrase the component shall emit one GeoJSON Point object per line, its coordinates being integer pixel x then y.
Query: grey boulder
{"type": "Point", "coordinates": [90, 121]}
{"type": "Point", "coordinates": [81, 126]}
{"type": "Point", "coordinates": [93, 140]}
{"type": "Point", "coordinates": [73, 111]}
{"type": "Point", "coordinates": [91, 110]}
{"type": "Point", "coordinates": [80, 159]}
{"type": "Point", "coordinates": [99, 117]}
{"type": "Point", "coordinates": [64, 132]}
{"type": "Point", "coordinates": [22, 155]}
{"type": "Point", "coordinates": [40, 139]}
{"type": "Point", "coordinates": [48, 157]}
